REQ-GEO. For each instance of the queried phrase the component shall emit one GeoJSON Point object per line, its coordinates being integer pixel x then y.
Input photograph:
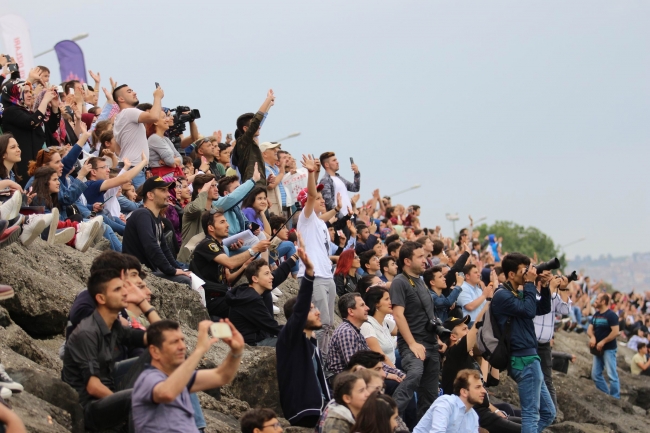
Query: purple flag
{"type": "Point", "coordinates": [71, 61]}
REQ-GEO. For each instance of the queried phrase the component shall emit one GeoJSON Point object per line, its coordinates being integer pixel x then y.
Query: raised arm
{"type": "Point", "coordinates": [309, 163]}
{"type": "Point", "coordinates": [153, 115]}
{"type": "Point", "coordinates": [125, 177]}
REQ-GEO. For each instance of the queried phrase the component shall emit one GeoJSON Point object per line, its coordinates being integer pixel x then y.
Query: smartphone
{"type": "Point", "coordinates": [8, 57]}
{"type": "Point", "coordinates": [220, 330]}
{"type": "Point", "coordinates": [229, 136]}
{"type": "Point", "coordinates": [13, 67]}
{"type": "Point", "coordinates": [254, 226]}
{"type": "Point", "coordinates": [85, 86]}
{"type": "Point", "coordinates": [59, 89]}
{"type": "Point", "coordinates": [68, 110]}
{"type": "Point", "coordinates": [340, 232]}
{"type": "Point", "coordinates": [71, 92]}
{"type": "Point", "coordinates": [461, 274]}
{"type": "Point", "coordinates": [351, 160]}
{"type": "Point", "coordinates": [157, 85]}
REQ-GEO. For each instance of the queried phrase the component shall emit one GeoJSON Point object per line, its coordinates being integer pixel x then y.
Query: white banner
{"type": "Point", "coordinates": [18, 45]}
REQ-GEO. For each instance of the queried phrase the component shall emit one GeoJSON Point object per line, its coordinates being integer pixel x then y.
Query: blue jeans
{"type": "Point", "coordinates": [608, 361]}
{"type": "Point", "coordinates": [199, 420]}
{"type": "Point", "coordinates": [576, 315]}
{"type": "Point", "coordinates": [109, 234]}
{"type": "Point", "coordinates": [286, 249]}
{"type": "Point", "coordinates": [537, 409]}
{"type": "Point", "coordinates": [138, 180]}
{"type": "Point", "coordinates": [116, 224]}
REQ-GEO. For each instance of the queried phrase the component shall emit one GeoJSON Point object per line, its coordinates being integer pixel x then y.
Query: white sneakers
{"type": "Point", "coordinates": [276, 310]}
{"type": "Point", "coordinates": [63, 236]}
{"type": "Point", "coordinates": [276, 292]}
{"type": "Point", "coordinates": [5, 393]}
{"type": "Point", "coordinates": [34, 226]}
{"type": "Point", "coordinates": [53, 225]}
{"type": "Point", "coordinates": [87, 232]}
{"type": "Point", "coordinates": [275, 298]}
{"type": "Point", "coordinates": [10, 209]}
{"type": "Point", "coordinates": [7, 382]}
{"type": "Point", "coordinates": [100, 233]}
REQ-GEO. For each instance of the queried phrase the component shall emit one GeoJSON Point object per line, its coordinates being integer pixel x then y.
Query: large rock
{"type": "Point", "coordinates": [40, 416]}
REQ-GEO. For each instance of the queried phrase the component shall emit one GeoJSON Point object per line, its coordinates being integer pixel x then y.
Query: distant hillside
{"type": "Point", "coordinates": [624, 273]}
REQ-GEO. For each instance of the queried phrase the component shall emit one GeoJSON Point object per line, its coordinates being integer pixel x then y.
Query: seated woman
{"type": "Point", "coordinates": [345, 275]}
{"type": "Point", "coordinates": [378, 330]}
{"type": "Point", "coordinates": [350, 393]}
{"type": "Point", "coordinates": [378, 415]}
{"type": "Point", "coordinates": [45, 192]}
{"type": "Point", "coordinates": [254, 207]}
{"type": "Point", "coordinates": [281, 247]}
{"type": "Point", "coordinates": [164, 159]}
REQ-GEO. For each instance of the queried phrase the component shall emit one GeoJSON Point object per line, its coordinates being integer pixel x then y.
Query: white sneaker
{"type": "Point", "coordinates": [11, 208]}
{"type": "Point", "coordinates": [33, 227]}
{"type": "Point", "coordinates": [86, 233]}
{"type": "Point", "coordinates": [276, 310]}
{"type": "Point", "coordinates": [276, 292]}
{"type": "Point", "coordinates": [5, 393]}
{"type": "Point", "coordinates": [275, 298]}
{"type": "Point", "coordinates": [53, 224]}
{"type": "Point", "coordinates": [100, 233]}
{"type": "Point", "coordinates": [63, 236]}
{"type": "Point", "coordinates": [7, 382]}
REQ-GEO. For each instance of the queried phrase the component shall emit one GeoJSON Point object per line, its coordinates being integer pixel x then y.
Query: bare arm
{"type": "Point", "coordinates": [312, 193]}
{"type": "Point", "coordinates": [125, 177]}
{"type": "Point", "coordinates": [373, 344]}
{"type": "Point", "coordinates": [96, 388]}
{"type": "Point", "coordinates": [241, 258]}
{"type": "Point", "coordinates": [12, 422]}
{"type": "Point", "coordinates": [153, 115]}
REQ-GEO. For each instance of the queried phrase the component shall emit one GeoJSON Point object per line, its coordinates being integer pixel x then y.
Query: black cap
{"type": "Point", "coordinates": [452, 322]}
{"type": "Point", "coordinates": [156, 182]}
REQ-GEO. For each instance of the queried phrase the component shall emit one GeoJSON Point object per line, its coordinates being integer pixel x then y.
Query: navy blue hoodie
{"type": "Point", "coordinates": [523, 341]}
{"type": "Point", "coordinates": [299, 384]}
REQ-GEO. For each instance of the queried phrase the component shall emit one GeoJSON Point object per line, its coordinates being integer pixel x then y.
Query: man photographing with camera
{"type": "Point", "coordinates": [518, 305]}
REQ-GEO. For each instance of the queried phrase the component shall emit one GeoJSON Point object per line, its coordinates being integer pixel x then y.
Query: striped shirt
{"type": "Point", "coordinates": [545, 325]}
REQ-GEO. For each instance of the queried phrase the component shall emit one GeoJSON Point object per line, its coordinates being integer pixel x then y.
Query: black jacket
{"type": "Point", "coordinates": [300, 393]}
{"type": "Point", "coordinates": [31, 131]}
{"type": "Point", "coordinates": [251, 313]}
{"type": "Point", "coordinates": [143, 238]}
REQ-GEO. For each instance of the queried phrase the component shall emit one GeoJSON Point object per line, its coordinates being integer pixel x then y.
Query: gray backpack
{"type": "Point", "coordinates": [494, 344]}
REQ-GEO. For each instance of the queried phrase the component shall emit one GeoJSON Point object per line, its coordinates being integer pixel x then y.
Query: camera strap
{"type": "Point", "coordinates": [417, 292]}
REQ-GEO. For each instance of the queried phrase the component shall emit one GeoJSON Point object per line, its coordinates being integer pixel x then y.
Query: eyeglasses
{"type": "Point", "coordinates": [276, 426]}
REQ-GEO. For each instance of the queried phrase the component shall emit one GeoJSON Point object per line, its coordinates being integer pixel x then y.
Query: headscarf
{"type": "Point", "coordinates": [13, 92]}
{"type": "Point", "coordinates": [60, 132]}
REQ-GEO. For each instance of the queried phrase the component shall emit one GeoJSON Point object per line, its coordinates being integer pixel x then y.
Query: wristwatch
{"type": "Point", "coordinates": [251, 252]}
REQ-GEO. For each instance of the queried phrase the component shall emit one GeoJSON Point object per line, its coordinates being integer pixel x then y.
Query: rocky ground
{"type": "Point", "coordinates": [47, 278]}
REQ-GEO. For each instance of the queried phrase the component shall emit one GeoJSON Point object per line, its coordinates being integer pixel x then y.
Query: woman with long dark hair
{"type": "Point", "coordinates": [30, 128]}
{"type": "Point", "coordinates": [378, 415]}
{"type": "Point", "coordinates": [45, 192]}
{"type": "Point", "coordinates": [254, 209]}
{"type": "Point", "coordinates": [350, 393]}
{"type": "Point", "coordinates": [164, 159]}
{"type": "Point", "coordinates": [345, 275]}
{"type": "Point", "coordinates": [379, 331]}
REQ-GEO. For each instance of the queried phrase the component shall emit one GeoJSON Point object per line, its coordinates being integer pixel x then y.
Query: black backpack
{"type": "Point", "coordinates": [494, 344]}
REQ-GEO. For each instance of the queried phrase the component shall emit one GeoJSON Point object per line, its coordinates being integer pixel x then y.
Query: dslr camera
{"type": "Point", "coordinates": [182, 115]}
{"type": "Point", "coordinates": [434, 326]}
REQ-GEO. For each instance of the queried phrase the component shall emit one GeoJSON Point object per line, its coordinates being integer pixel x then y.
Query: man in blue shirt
{"type": "Point", "coordinates": [602, 332]}
{"type": "Point", "coordinates": [473, 298]}
{"type": "Point", "coordinates": [454, 413]}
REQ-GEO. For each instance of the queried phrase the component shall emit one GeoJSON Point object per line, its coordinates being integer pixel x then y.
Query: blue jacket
{"type": "Point", "coordinates": [230, 205]}
{"type": "Point", "coordinates": [442, 303]}
{"type": "Point", "coordinates": [505, 304]}
{"type": "Point", "coordinates": [70, 192]}
{"type": "Point", "coordinates": [300, 385]}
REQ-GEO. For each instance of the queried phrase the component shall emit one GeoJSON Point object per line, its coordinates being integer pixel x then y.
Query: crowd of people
{"type": "Point", "coordinates": [234, 219]}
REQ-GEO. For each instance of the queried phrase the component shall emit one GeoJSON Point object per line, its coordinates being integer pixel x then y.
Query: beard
{"type": "Point", "coordinates": [311, 326]}
{"type": "Point", "coordinates": [135, 103]}
{"type": "Point", "coordinates": [474, 402]}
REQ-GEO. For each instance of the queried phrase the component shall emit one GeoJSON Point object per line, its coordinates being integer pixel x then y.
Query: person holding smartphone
{"type": "Point", "coordinates": [334, 184]}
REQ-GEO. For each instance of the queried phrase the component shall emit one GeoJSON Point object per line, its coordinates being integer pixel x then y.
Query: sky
{"type": "Point", "coordinates": [528, 111]}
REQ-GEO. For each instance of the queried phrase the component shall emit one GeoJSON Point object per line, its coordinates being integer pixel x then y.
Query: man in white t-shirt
{"type": "Point", "coordinates": [311, 225]}
{"type": "Point", "coordinates": [129, 127]}
{"type": "Point", "coordinates": [334, 184]}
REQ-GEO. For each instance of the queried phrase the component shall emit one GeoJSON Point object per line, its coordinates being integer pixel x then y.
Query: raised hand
{"type": "Point", "coordinates": [308, 162]}
{"type": "Point", "coordinates": [339, 201]}
{"type": "Point", "coordinates": [236, 343]}
{"type": "Point", "coordinates": [35, 74]}
{"type": "Point", "coordinates": [355, 169]}
{"type": "Point", "coordinates": [113, 83]}
{"type": "Point", "coordinates": [109, 96]}
{"type": "Point", "coordinates": [218, 135]}
{"type": "Point", "coordinates": [271, 97]}
{"type": "Point", "coordinates": [158, 93]}
{"type": "Point", "coordinates": [256, 174]}
{"type": "Point", "coordinates": [95, 76]}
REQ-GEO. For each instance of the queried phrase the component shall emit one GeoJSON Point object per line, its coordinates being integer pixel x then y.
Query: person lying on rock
{"type": "Point", "coordinates": [89, 358]}
{"type": "Point", "coordinates": [161, 395]}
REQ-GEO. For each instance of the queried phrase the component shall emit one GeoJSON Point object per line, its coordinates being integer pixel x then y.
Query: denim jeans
{"type": "Point", "coordinates": [138, 180]}
{"type": "Point", "coordinates": [607, 361]}
{"type": "Point", "coordinates": [199, 420]}
{"type": "Point", "coordinates": [537, 409]}
{"type": "Point", "coordinates": [576, 315]}
{"type": "Point", "coordinates": [109, 234]}
{"type": "Point", "coordinates": [116, 224]}
{"type": "Point", "coordinates": [286, 249]}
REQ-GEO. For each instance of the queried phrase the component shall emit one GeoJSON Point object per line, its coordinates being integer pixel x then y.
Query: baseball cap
{"type": "Point", "coordinates": [302, 195]}
{"type": "Point", "coordinates": [452, 322]}
{"type": "Point", "coordinates": [156, 182]}
{"type": "Point", "coordinates": [269, 145]}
